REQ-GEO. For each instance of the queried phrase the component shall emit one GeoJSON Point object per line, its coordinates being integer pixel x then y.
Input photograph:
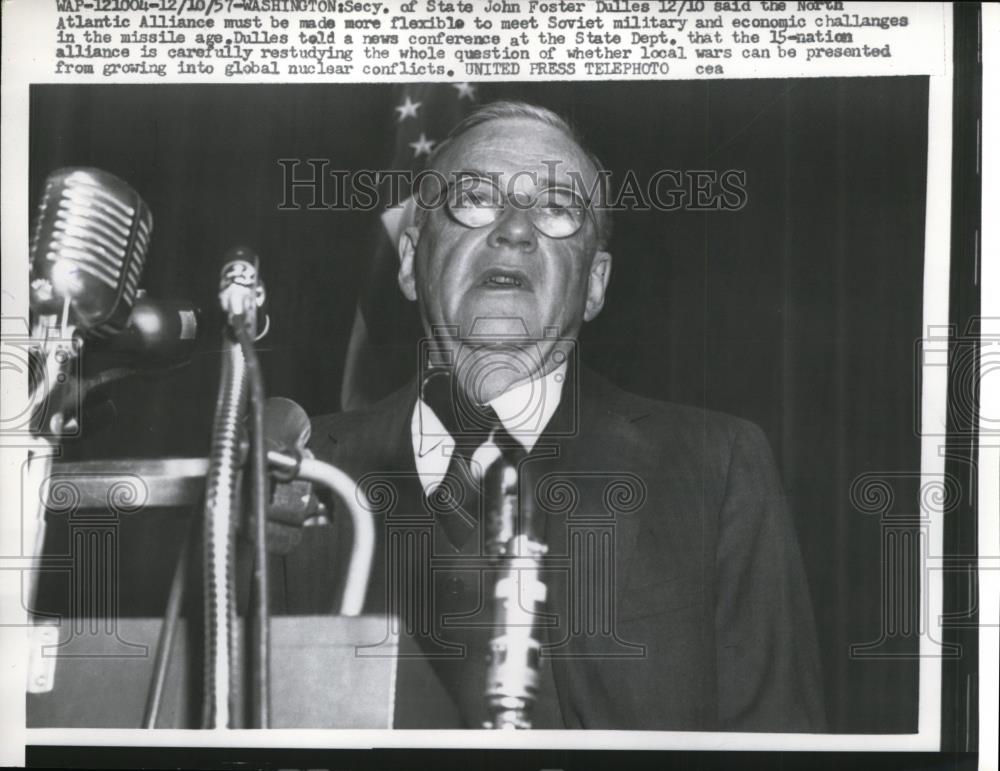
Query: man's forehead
{"type": "Point", "coordinates": [510, 146]}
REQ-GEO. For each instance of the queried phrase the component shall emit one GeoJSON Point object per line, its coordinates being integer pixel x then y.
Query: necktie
{"type": "Point", "coordinates": [457, 499]}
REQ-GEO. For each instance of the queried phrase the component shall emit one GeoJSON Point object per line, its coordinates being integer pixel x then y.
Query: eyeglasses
{"type": "Point", "coordinates": [556, 212]}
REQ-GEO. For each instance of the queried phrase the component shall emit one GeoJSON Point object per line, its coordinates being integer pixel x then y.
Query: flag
{"type": "Point", "coordinates": [383, 346]}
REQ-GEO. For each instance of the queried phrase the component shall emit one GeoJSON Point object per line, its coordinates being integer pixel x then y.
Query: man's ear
{"type": "Point", "coordinates": [597, 284]}
{"type": "Point", "coordinates": [407, 255]}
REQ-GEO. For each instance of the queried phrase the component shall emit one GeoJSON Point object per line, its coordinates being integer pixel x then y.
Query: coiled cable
{"type": "Point", "coordinates": [221, 640]}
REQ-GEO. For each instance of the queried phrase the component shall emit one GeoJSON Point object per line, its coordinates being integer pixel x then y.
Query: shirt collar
{"type": "Point", "coordinates": [524, 410]}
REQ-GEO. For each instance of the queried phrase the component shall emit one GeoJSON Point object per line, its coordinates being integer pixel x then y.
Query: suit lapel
{"type": "Point", "coordinates": [598, 457]}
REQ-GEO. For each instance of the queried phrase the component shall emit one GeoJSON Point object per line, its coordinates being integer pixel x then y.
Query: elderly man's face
{"type": "Point", "coordinates": [507, 278]}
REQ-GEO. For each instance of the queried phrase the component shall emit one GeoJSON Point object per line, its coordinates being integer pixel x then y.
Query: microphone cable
{"type": "Point", "coordinates": [260, 656]}
{"type": "Point", "coordinates": [219, 538]}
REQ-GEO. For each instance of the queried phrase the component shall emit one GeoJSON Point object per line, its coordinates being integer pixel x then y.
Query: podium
{"type": "Point", "coordinates": [326, 672]}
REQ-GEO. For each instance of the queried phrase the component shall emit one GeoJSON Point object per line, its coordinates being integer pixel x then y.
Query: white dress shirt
{"type": "Point", "coordinates": [524, 410]}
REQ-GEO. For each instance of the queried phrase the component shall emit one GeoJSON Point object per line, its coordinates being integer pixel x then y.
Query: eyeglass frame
{"type": "Point", "coordinates": [505, 199]}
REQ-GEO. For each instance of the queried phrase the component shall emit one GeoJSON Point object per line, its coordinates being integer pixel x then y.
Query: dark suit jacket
{"type": "Point", "coordinates": [676, 590]}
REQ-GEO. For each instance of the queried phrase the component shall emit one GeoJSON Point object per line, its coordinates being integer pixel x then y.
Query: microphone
{"type": "Point", "coordinates": [159, 329]}
{"type": "Point", "coordinates": [286, 425]}
{"type": "Point", "coordinates": [292, 503]}
{"type": "Point", "coordinates": [513, 675]}
{"type": "Point", "coordinates": [241, 293]}
{"type": "Point", "coordinates": [286, 433]}
{"type": "Point", "coordinates": [88, 249]}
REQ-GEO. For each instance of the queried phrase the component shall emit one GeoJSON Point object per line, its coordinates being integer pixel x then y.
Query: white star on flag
{"type": "Point", "coordinates": [408, 109]}
{"type": "Point", "coordinates": [465, 90]}
{"type": "Point", "coordinates": [422, 146]}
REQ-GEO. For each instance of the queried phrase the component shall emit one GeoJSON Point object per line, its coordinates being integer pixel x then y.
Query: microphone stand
{"type": "Point", "coordinates": [519, 598]}
{"type": "Point", "coordinates": [165, 641]}
{"type": "Point", "coordinates": [285, 465]}
{"type": "Point", "coordinates": [240, 295]}
{"type": "Point", "coordinates": [57, 355]}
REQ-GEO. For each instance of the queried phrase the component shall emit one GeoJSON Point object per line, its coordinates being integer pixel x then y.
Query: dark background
{"type": "Point", "coordinates": [800, 312]}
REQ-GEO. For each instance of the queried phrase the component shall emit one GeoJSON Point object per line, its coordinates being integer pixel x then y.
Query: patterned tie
{"type": "Point", "coordinates": [457, 498]}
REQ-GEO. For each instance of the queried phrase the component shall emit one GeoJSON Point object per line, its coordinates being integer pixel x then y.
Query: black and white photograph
{"type": "Point", "coordinates": [565, 414]}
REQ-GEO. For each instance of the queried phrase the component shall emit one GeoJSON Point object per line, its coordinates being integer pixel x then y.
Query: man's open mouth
{"type": "Point", "coordinates": [502, 278]}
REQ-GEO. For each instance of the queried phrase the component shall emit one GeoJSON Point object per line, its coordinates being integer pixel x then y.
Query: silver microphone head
{"type": "Point", "coordinates": [88, 249]}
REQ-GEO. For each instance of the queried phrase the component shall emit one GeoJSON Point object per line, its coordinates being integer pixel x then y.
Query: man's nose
{"type": "Point", "coordinates": [514, 230]}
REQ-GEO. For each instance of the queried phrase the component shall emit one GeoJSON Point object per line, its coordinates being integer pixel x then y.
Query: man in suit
{"type": "Point", "coordinates": [675, 597]}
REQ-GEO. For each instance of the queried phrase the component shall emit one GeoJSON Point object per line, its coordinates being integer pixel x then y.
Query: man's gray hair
{"type": "Point", "coordinates": [507, 109]}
